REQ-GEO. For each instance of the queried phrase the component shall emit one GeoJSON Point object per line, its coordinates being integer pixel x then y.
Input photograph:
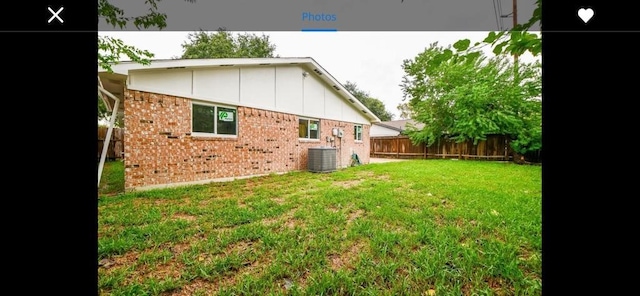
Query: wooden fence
{"type": "Point", "coordinates": [116, 144]}
{"type": "Point", "coordinates": [495, 147]}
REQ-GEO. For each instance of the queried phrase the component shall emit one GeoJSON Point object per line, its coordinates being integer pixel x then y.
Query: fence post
{"type": "Point", "coordinates": [506, 149]}
{"type": "Point", "coordinates": [398, 147]}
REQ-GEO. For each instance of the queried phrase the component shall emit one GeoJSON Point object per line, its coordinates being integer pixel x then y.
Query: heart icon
{"type": "Point", "coordinates": [585, 14]}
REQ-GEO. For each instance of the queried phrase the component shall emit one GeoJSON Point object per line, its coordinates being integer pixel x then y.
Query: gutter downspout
{"type": "Point", "coordinates": [112, 121]}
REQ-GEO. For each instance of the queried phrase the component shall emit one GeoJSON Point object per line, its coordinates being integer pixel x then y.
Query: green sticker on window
{"type": "Point", "coordinates": [313, 126]}
{"type": "Point", "coordinates": [225, 116]}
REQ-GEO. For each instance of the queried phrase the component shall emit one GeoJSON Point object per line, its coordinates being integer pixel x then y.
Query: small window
{"type": "Point", "coordinates": [308, 128]}
{"type": "Point", "coordinates": [357, 132]}
{"type": "Point", "coordinates": [214, 120]}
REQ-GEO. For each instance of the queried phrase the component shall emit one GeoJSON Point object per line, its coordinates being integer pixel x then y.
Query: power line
{"type": "Point", "coordinates": [495, 11]}
{"type": "Point", "coordinates": [500, 10]}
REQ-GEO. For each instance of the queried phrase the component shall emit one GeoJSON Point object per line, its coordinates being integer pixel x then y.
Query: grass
{"type": "Point", "coordinates": [423, 227]}
{"type": "Point", "coordinates": [112, 180]}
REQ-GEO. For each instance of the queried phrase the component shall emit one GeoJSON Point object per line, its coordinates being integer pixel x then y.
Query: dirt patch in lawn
{"type": "Point", "coordinates": [183, 216]}
{"type": "Point", "coordinates": [172, 268]}
{"type": "Point", "coordinates": [499, 286]}
{"type": "Point", "coordinates": [213, 286]}
{"type": "Point", "coordinates": [365, 174]}
{"type": "Point", "coordinates": [142, 201]}
{"type": "Point", "coordinates": [354, 215]}
{"type": "Point", "coordinates": [284, 217]}
{"type": "Point", "coordinates": [161, 202]}
{"type": "Point", "coordinates": [278, 200]}
{"type": "Point", "coordinates": [383, 177]}
{"type": "Point", "coordinates": [239, 247]}
{"type": "Point", "coordinates": [127, 259]}
{"type": "Point", "coordinates": [349, 183]}
{"type": "Point", "coordinates": [345, 259]}
{"type": "Point", "coordinates": [293, 222]}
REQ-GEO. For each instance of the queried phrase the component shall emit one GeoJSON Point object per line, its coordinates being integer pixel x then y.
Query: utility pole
{"type": "Point", "coordinates": [515, 23]}
{"type": "Point", "coordinates": [515, 55]}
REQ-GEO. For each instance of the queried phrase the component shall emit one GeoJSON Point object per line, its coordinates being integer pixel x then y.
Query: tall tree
{"type": "Point", "coordinates": [223, 44]}
{"type": "Point", "coordinates": [516, 41]}
{"type": "Point", "coordinates": [467, 96]}
{"type": "Point", "coordinates": [375, 105]}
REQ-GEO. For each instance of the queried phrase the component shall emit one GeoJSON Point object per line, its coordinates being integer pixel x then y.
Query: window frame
{"type": "Point", "coordinates": [309, 120]}
{"type": "Point", "coordinates": [215, 120]}
{"type": "Point", "coordinates": [355, 132]}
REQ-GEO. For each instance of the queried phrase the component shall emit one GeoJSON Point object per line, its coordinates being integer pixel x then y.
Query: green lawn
{"type": "Point", "coordinates": [422, 227]}
{"type": "Point", "coordinates": [112, 180]}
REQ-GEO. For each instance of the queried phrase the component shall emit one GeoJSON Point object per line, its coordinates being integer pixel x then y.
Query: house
{"type": "Point", "coordinates": [203, 120]}
{"type": "Point", "coordinates": [392, 128]}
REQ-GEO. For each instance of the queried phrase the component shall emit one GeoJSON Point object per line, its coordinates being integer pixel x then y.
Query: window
{"type": "Point", "coordinates": [357, 132]}
{"type": "Point", "coordinates": [210, 119]}
{"type": "Point", "coordinates": [309, 128]}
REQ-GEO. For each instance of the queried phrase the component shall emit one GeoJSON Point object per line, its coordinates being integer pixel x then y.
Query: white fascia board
{"type": "Point", "coordinates": [124, 68]}
{"type": "Point", "coordinates": [344, 93]}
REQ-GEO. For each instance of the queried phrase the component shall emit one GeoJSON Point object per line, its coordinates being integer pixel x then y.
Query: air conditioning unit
{"type": "Point", "coordinates": [321, 159]}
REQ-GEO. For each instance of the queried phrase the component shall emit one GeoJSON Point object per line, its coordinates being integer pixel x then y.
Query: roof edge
{"type": "Point", "coordinates": [124, 67]}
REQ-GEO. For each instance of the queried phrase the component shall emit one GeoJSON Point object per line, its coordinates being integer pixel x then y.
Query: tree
{"type": "Point", "coordinates": [222, 44]}
{"type": "Point", "coordinates": [405, 111]}
{"type": "Point", "coordinates": [466, 96]}
{"type": "Point", "coordinates": [515, 42]}
{"type": "Point", "coordinates": [111, 50]}
{"type": "Point", "coordinates": [376, 106]}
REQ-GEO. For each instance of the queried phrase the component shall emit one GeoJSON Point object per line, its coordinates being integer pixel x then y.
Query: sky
{"type": "Point", "coordinates": [372, 60]}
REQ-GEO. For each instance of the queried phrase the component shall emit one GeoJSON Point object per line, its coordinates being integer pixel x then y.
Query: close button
{"type": "Point", "coordinates": [55, 15]}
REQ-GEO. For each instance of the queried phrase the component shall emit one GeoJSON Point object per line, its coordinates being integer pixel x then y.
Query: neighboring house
{"type": "Point", "coordinates": [392, 128]}
{"type": "Point", "coordinates": [202, 120]}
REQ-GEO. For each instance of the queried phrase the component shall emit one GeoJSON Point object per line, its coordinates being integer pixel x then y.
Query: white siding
{"type": "Point", "coordinates": [333, 105]}
{"type": "Point", "coordinates": [258, 87]}
{"type": "Point", "coordinates": [350, 114]}
{"type": "Point", "coordinates": [379, 131]}
{"type": "Point", "coordinates": [289, 89]}
{"type": "Point", "coordinates": [217, 84]}
{"type": "Point", "coordinates": [313, 97]}
{"type": "Point", "coordinates": [276, 88]}
{"type": "Point", "coordinates": [176, 81]}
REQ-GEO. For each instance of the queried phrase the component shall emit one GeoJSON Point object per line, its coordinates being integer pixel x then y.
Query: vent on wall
{"type": "Point", "coordinates": [336, 88]}
{"type": "Point", "coordinates": [321, 159]}
{"type": "Point", "coordinates": [317, 71]}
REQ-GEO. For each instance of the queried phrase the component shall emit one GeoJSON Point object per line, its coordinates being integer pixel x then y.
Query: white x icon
{"type": "Point", "coordinates": [55, 15]}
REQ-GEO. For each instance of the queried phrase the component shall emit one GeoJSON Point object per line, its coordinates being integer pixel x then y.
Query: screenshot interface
{"type": "Point", "coordinates": [307, 147]}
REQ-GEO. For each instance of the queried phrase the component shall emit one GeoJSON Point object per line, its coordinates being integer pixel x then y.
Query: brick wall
{"type": "Point", "coordinates": [160, 150]}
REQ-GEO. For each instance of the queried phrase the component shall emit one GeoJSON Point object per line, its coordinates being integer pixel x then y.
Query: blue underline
{"type": "Point", "coordinates": [319, 30]}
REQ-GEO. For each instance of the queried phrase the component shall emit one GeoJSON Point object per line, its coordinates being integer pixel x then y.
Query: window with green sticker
{"type": "Point", "coordinates": [210, 119]}
{"type": "Point", "coordinates": [308, 128]}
